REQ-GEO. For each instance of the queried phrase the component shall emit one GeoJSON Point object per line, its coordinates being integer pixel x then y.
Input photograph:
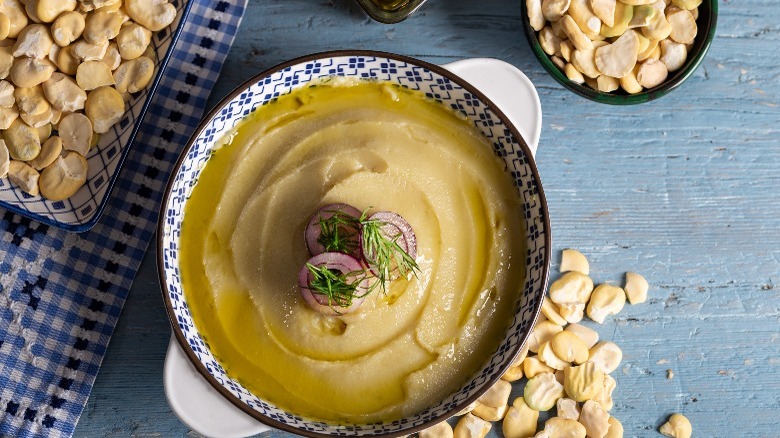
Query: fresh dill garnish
{"type": "Point", "coordinates": [339, 232]}
{"type": "Point", "coordinates": [384, 252]}
{"type": "Point", "coordinates": [339, 288]}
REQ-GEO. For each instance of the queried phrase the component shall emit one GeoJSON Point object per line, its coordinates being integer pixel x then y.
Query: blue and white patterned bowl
{"type": "Point", "coordinates": [81, 211]}
{"type": "Point", "coordinates": [438, 84]}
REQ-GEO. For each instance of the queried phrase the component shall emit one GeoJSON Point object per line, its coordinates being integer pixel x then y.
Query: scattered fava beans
{"type": "Point", "coordinates": [636, 33]}
{"type": "Point", "coordinates": [520, 420]}
{"type": "Point", "coordinates": [677, 427]}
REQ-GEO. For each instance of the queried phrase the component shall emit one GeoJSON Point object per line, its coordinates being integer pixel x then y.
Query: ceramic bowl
{"type": "Point", "coordinates": [708, 17]}
{"type": "Point", "coordinates": [438, 84]}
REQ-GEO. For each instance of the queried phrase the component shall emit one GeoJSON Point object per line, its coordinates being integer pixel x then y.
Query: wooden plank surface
{"type": "Point", "coordinates": [685, 190]}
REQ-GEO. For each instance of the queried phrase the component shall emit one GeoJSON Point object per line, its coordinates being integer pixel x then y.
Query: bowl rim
{"type": "Point", "coordinates": [701, 46]}
{"type": "Point", "coordinates": [161, 223]}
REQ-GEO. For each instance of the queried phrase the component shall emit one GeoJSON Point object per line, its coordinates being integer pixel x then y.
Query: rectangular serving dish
{"type": "Point", "coordinates": [81, 211]}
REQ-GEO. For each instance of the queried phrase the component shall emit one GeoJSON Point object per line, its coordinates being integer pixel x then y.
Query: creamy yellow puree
{"type": "Point", "coordinates": [370, 145]}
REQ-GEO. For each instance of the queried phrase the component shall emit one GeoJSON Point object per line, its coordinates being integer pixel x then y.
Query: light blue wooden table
{"type": "Point", "coordinates": [685, 190]}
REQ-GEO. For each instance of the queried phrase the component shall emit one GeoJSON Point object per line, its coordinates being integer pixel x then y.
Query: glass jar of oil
{"type": "Point", "coordinates": [390, 11]}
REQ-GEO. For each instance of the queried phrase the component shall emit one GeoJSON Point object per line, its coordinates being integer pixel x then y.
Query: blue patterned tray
{"type": "Point", "coordinates": [436, 84]}
{"type": "Point", "coordinates": [81, 212]}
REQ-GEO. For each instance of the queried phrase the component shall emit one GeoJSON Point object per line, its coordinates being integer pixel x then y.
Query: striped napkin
{"type": "Point", "coordinates": [61, 293]}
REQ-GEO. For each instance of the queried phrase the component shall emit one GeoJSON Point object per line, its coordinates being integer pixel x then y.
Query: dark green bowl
{"type": "Point", "coordinates": [708, 17]}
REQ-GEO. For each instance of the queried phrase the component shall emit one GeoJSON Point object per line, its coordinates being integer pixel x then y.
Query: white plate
{"type": "Point", "coordinates": [199, 406]}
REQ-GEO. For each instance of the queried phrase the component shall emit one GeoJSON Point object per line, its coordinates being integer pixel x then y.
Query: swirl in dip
{"type": "Point", "coordinates": [373, 145]}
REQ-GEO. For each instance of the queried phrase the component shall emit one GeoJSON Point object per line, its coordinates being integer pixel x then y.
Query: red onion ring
{"type": "Point", "coordinates": [336, 261]}
{"type": "Point", "coordinates": [314, 230]}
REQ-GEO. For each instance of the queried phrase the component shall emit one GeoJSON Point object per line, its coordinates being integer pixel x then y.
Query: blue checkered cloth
{"type": "Point", "coordinates": [61, 293]}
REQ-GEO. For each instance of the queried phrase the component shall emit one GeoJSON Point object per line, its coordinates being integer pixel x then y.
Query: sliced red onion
{"type": "Point", "coordinates": [340, 262]}
{"type": "Point", "coordinates": [394, 227]}
{"type": "Point", "coordinates": [314, 230]}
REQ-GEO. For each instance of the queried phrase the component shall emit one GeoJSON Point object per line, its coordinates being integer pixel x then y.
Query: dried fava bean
{"type": "Point", "coordinates": [637, 2]}
{"type": "Point", "coordinates": [520, 420]}
{"type": "Point", "coordinates": [63, 178]}
{"type": "Point", "coordinates": [30, 100]}
{"type": "Point", "coordinates": [606, 356]}
{"type": "Point", "coordinates": [549, 42]}
{"type": "Point", "coordinates": [642, 16]}
{"type": "Point", "coordinates": [615, 428]}
{"type": "Point", "coordinates": [550, 310]}
{"type": "Point", "coordinates": [66, 62]}
{"type": "Point", "coordinates": [687, 4]}
{"type": "Point", "coordinates": [535, 16]}
{"type": "Point", "coordinates": [532, 367]}
{"type": "Point", "coordinates": [134, 75]}
{"type": "Point", "coordinates": [619, 58]}
{"type": "Point", "coordinates": [112, 58]}
{"type": "Point", "coordinates": [583, 382]}
{"type": "Point", "coordinates": [520, 356]}
{"type": "Point", "coordinates": [48, 10]}
{"type": "Point", "coordinates": [497, 395]}
{"type": "Point", "coordinates": [659, 27]}
{"type": "Point", "coordinates": [471, 426]}
{"type": "Point", "coordinates": [14, 10]}
{"type": "Point", "coordinates": [7, 116]}
{"type": "Point", "coordinates": [438, 430]}
{"type": "Point", "coordinates": [6, 61]}
{"type": "Point", "coordinates": [5, 159]}
{"type": "Point", "coordinates": [29, 72]}
{"type": "Point", "coordinates": [569, 347]}
{"type": "Point", "coordinates": [104, 107]}
{"type": "Point", "coordinates": [5, 26]}
{"type": "Point", "coordinates": [683, 26]}
{"type": "Point", "coordinates": [652, 73]}
{"type": "Point", "coordinates": [673, 54]}
{"type": "Point", "coordinates": [571, 288]}
{"type": "Point", "coordinates": [101, 26]}
{"type": "Point", "coordinates": [63, 93]}
{"type": "Point", "coordinates": [38, 120]}
{"type": "Point", "coordinates": [467, 409]}
{"type": "Point", "coordinates": [22, 141]}
{"type": "Point", "coordinates": [623, 15]}
{"type": "Point", "coordinates": [573, 312]}
{"type": "Point", "coordinates": [558, 61]}
{"type": "Point", "coordinates": [605, 300]}
{"type": "Point", "coordinates": [548, 356]}
{"type": "Point", "coordinates": [567, 48]}
{"type": "Point", "coordinates": [7, 98]}
{"type": "Point", "coordinates": [652, 45]}
{"type": "Point", "coordinates": [151, 14]}
{"type": "Point", "coordinates": [91, 5]}
{"type": "Point", "coordinates": [587, 335]}
{"type": "Point", "coordinates": [24, 176]}
{"type": "Point", "coordinates": [575, 34]}
{"type": "Point", "coordinates": [75, 129]}
{"type": "Point", "coordinates": [629, 82]}
{"type": "Point", "coordinates": [605, 10]}
{"type": "Point", "coordinates": [67, 28]}
{"type": "Point", "coordinates": [573, 74]}
{"type": "Point", "coordinates": [553, 10]}
{"type": "Point", "coordinates": [84, 51]}
{"type": "Point", "coordinates": [581, 13]}
{"type": "Point", "coordinates": [133, 40]}
{"type": "Point", "coordinates": [34, 41]}
{"type": "Point", "coordinates": [591, 82]}
{"type": "Point", "coordinates": [44, 132]}
{"type": "Point", "coordinates": [489, 413]}
{"type": "Point", "coordinates": [542, 391]}
{"type": "Point", "coordinates": [595, 419]}
{"type": "Point", "coordinates": [50, 150]}
{"type": "Point", "coordinates": [568, 409]}
{"type": "Point", "coordinates": [573, 260]}
{"type": "Point", "coordinates": [513, 374]}
{"type": "Point", "coordinates": [93, 74]}
{"type": "Point", "coordinates": [557, 427]}
{"type": "Point", "coordinates": [636, 288]}
{"type": "Point", "coordinates": [604, 397]}
{"type": "Point", "coordinates": [677, 427]}
{"type": "Point", "coordinates": [543, 332]}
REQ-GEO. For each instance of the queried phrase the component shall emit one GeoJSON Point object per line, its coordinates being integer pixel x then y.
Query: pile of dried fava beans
{"type": "Point", "coordinates": [565, 365]}
{"type": "Point", "coordinates": [611, 44]}
{"type": "Point", "coordinates": [67, 69]}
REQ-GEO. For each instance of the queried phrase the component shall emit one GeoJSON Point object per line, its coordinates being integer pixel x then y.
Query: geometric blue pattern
{"type": "Point", "coordinates": [407, 73]}
{"type": "Point", "coordinates": [61, 293]}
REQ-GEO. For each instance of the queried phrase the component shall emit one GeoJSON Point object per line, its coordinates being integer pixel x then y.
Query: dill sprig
{"type": "Point", "coordinates": [384, 252]}
{"type": "Point", "coordinates": [339, 232]}
{"type": "Point", "coordinates": [339, 288]}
